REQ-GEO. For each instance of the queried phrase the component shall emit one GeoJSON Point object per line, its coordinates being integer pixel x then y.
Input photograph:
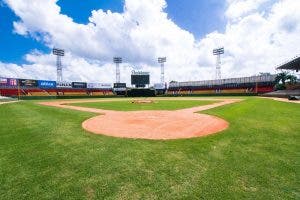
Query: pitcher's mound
{"type": "Point", "coordinates": [155, 125]}
{"type": "Point", "coordinates": [142, 101]}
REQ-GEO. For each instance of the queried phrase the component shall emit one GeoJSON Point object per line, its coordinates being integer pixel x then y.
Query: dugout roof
{"type": "Point", "coordinates": [291, 65]}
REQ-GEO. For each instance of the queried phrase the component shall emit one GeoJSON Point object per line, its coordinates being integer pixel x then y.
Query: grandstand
{"type": "Point", "coordinates": [245, 85]}
{"type": "Point", "coordinates": [291, 90]}
{"type": "Point", "coordinates": [293, 64]}
{"type": "Point", "coordinates": [13, 87]}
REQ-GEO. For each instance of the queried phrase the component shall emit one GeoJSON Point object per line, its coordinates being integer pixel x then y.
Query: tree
{"type": "Point", "coordinates": [281, 77]}
{"type": "Point", "coordinates": [284, 77]}
{"type": "Point", "coordinates": [292, 79]}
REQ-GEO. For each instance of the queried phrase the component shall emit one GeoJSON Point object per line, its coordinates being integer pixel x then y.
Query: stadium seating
{"type": "Point", "coordinates": [71, 92]}
{"type": "Point", "coordinates": [221, 91]}
{"type": "Point", "coordinates": [101, 93]}
{"type": "Point", "coordinates": [9, 92]}
{"type": "Point", "coordinates": [52, 93]}
{"type": "Point", "coordinates": [75, 93]}
{"type": "Point", "coordinates": [234, 91]}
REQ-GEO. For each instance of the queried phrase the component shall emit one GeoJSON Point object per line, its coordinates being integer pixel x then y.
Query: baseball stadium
{"type": "Point", "coordinates": [221, 138]}
{"type": "Point", "coordinates": [210, 139]}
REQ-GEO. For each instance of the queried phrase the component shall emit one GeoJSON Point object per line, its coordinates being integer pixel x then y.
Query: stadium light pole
{"type": "Point", "coordinates": [59, 53]}
{"type": "Point", "coordinates": [162, 61]}
{"type": "Point", "coordinates": [218, 52]}
{"type": "Point", "coordinates": [117, 61]}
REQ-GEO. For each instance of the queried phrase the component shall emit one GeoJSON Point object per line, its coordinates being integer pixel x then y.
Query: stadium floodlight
{"type": "Point", "coordinates": [59, 53]}
{"type": "Point", "coordinates": [162, 61]}
{"type": "Point", "coordinates": [117, 61]}
{"type": "Point", "coordinates": [218, 52]}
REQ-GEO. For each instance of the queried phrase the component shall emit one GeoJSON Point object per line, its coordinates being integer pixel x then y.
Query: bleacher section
{"type": "Point", "coordinates": [13, 92]}
{"type": "Point", "coordinates": [35, 92]}
{"type": "Point", "coordinates": [8, 92]}
{"type": "Point", "coordinates": [245, 85]}
{"type": "Point", "coordinates": [14, 87]}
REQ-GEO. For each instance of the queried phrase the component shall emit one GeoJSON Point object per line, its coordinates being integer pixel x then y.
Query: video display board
{"type": "Point", "coordinates": [79, 85]}
{"type": "Point", "coordinates": [46, 84]}
{"type": "Point", "coordinates": [64, 85]}
{"type": "Point", "coordinates": [140, 79]}
{"type": "Point", "coordinates": [28, 83]}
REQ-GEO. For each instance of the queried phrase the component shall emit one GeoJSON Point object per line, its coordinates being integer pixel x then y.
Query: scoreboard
{"type": "Point", "coordinates": [140, 79]}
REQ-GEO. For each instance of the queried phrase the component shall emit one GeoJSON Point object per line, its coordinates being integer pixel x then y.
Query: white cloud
{"type": "Point", "coordinates": [255, 40]}
{"type": "Point", "coordinates": [240, 8]}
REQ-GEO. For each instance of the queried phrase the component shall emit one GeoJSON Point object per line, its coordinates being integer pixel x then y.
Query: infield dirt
{"type": "Point", "coordinates": [155, 125]}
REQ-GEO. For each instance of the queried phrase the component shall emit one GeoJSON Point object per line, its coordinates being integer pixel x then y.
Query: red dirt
{"type": "Point", "coordinates": [155, 125]}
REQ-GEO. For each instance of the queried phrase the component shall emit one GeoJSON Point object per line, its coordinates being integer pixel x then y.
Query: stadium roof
{"type": "Point", "coordinates": [291, 65]}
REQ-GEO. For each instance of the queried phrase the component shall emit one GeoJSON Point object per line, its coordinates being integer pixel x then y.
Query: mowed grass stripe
{"type": "Point", "coordinates": [44, 154]}
{"type": "Point", "coordinates": [156, 105]}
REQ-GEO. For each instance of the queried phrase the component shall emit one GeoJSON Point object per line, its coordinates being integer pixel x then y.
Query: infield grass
{"type": "Point", "coordinates": [45, 154]}
{"type": "Point", "coordinates": [156, 105]}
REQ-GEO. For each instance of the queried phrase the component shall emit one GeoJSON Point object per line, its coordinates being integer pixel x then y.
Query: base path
{"type": "Point", "coordinates": [155, 125]}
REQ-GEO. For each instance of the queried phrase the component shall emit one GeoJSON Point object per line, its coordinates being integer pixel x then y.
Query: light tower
{"type": "Point", "coordinates": [59, 53]}
{"type": "Point", "coordinates": [117, 60]}
{"type": "Point", "coordinates": [162, 61]}
{"type": "Point", "coordinates": [218, 52]}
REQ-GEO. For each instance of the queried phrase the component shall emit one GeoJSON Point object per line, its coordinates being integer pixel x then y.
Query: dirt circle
{"type": "Point", "coordinates": [154, 125]}
{"type": "Point", "coordinates": [142, 101]}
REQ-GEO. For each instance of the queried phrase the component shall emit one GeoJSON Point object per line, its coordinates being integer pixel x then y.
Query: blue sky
{"type": "Point", "coordinates": [198, 17]}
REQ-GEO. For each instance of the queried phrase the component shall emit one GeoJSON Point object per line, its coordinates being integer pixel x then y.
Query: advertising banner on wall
{"type": "Point", "coordinates": [12, 82]}
{"type": "Point", "coordinates": [119, 87]}
{"type": "Point", "coordinates": [79, 85]}
{"type": "Point", "coordinates": [64, 84]}
{"type": "Point", "coordinates": [99, 86]}
{"type": "Point", "coordinates": [28, 83]}
{"type": "Point", "coordinates": [3, 82]}
{"type": "Point", "coordinates": [159, 86]}
{"type": "Point", "coordinates": [46, 84]}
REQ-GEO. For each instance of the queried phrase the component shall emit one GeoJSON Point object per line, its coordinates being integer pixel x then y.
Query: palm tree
{"type": "Point", "coordinates": [283, 77]}
{"type": "Point", "coordinates": [292, 79]}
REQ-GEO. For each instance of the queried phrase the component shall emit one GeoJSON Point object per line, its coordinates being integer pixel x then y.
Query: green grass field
{"type": "Point", "coordinates": [45, 154]}
{"type": "Point", "coordinates": [156, 105]}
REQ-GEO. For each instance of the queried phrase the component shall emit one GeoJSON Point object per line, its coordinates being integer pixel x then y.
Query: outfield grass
{"type": "Point", "coordinates": [44, 154]}
{"type": "Point", "coordinates": [156, 105]}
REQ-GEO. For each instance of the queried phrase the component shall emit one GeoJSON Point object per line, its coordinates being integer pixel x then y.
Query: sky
{"type": "Point", "coordinates": [257, 36]}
